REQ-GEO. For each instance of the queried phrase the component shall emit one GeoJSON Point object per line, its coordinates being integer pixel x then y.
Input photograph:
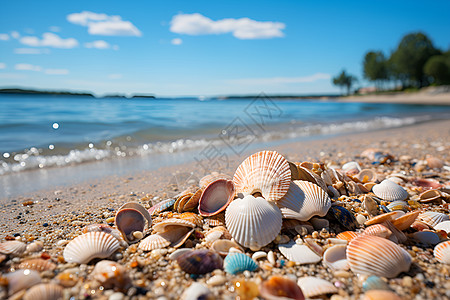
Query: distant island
{"type": "Point", "coordinates": [22, 91]}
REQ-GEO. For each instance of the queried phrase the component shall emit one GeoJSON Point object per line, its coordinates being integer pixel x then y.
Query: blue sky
{"type": "Point", "coordinates": [176, 48]}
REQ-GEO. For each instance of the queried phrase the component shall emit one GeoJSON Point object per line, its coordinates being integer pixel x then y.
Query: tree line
{"type": "Point", "coordinates": [415, 63]}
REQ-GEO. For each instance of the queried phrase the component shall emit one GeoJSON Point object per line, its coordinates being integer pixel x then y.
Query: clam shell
{"type": "Point", "coordinates": [303, 201]}
{"type": "Point", "coordinates": [313, 286]}
{"type": "Point", "coordinates": [266, 172]}
{"type": "Point", "coordinates": [426, 237]}
{"type": "Point", "coordinates": [216, 197]}
{"type": "Point", "coordinates": [14, 248]}
{"type": "Point", "coordinates": [223, 246]}
{"type": "Point", "coordinates": [367, 175]}
{"type": "Point", "coordinates": [177, 253]}
{"type": "Point", "coordinates": [128, 221]}
{"type": "Point", "coordinates": [381, 218]}
{"type": "Point", "coordinates": [44, 291]}
{"type": "Point", "coordinates": [170, 223]}
{"type": "Point", "coordinates": [378, 230]}
{"type": "Point", "coordinates": [177, 235]}
{"type": "Point", "coordinates": [299, 253]}
{"type": "Point", "coordinates": [280, 288]}
{"type": "Point", "coordinates": [390, 191]}
{"type": "Point", "coordinates": [445, 225]}
{"type": "Point", "coordinates": [111, 275]}
{"type": "Point", "coordinates": [347, 235]}
{"type": "Point", "coordinates": [245, 218]}
{"type": "Point", "coordinates": [206, 180]}
{"type": "Point", "coordinates": [442, 252]}
{"type": "Point", "coordinates": [153, 241]}
{"type": "Point", "coordinates": [398, 205]}
{"type": "Point", "coordinates": [427, 183]}
{"type": "Point", "coordinates": [403, 222]}
{"type": "Point", "coordinates": [235, 263]}
{"type": "Point", "coordinates": [433, 218]}
{"type": "Point", "coordinates": [90, 245]}
{"type": "Point", "coordinates": [373, 255]}
{"type": "Point", "coordinates": [381, 295]}
{"type": "Point", "coordinates": [22, 279]}
{"type": "Point", "coordinates": [161, 206]}
{"type": "Point", "coordinates": [37, 264]}
{"type": "Point", "coordinates": [335, 258]}
{"type": "Point", "coordinates": [200, 261]}
{"type": "Point", "coordinates": [139, 208]}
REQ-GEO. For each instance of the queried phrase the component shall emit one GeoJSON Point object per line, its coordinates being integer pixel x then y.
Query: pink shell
{"type": "Point", "coordinates": [378, 230]}
{"type": "Point", "coordinates": [216, 197]}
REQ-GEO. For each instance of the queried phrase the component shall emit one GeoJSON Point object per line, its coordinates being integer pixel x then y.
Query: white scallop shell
{"type": "Point", "coordinates": [313, 286]}
{"type": "Point", "coordinates": [14, 248]}
{"type": "Point", "coordinates": [445, 225]}
{"type": "Point", "coordinates": [90, 245]}
{"type": "Point", "coordinates": [253, 222]}
{"type": "Point", "coordinates": [22, 279]}
{"type": "Point", "coordinates": [335, 258]}
{"type": "Point", "coordinates": [44, 291]}
{"type": "Point", "coordinates": [442, 252]}
{"type": "Point", "coordinates": [266, 172]}
{"type": "Point", "coordinates": [303, 201]}
{"type": "Point", "coordinates": [389, 191]}
{"type": "Point", "coordinates": [433, 218]}
{"type": "Point", "coordinates": [153, 241]}
{"type": "Point", "coordinates": [301, 254]}
{"type": "Point", "coordinates": [373, 255]}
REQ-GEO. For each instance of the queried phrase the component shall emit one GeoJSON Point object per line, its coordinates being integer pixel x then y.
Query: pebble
{"type": "Point", "coordinates": [216, 280]}
{"type": "Point", "coordinates": [116, 296]}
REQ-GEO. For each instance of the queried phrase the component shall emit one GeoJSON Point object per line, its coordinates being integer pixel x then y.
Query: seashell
{"type": "Point", "coordinates": [367, 175]}
{"type": "Point", "coordinates": [373, 255]}
{"type": "Point", "coordinates": [192, 202]}
{"type": "Point", "coordinates": [381, 218]}
{"type": "Point", "coordinates": [107, 229]}
{"type": "Point", "coordinates": [200, 261]}
{"type": "Point", "coordinates": [427, 183]}
{"type": "Point", "coordinates": [432, 218]}
{"type": "Point", "coordinates": [139, 208]}
{"type": "Point", "coordinates": [390, 191]}
{"type": "Point", "coordinates": [129, 221]}
{"type": "Point", "coordinates": [196, 291]}
{"type": "Point", "coordinates": [177, 253]}
{"type": "Point", "coordinates": [215, 233]}
{"type": "Point", "coordinates": [223, 246]}
{"type": "Point", "coordinates": [90, 245]}
{"type": "Point", "coordinates": [395, 179]}
{"type": "Point", "coordinates": [299, 253]}
{"type": "Point", "coordinates": [397, 236]}
{"type": "Point", "coordinates": [235, 263]}
{"type": "Point", "coordinates": [111, 275]}
{"type": "Point", "coordinates": [258, 254]}
{"type": "Point", "coordinates": [14, 248]}
{"type": "Point", "coordinates": [161, 206]}
{"type": "Point", "coordinates": [22, 279]}
{"type": "Point", "coordinates": [380, 295]}
{"type": "Point", "coordinates": [266, 172]}
{"type": "Point", "coordinates": [303, 201]}
{"type": "Point", "coordinates": [217, 220]}
{"type": "Point", "coordinates": [442, 252]}
{"type": "Point", "coordinates": [295, 175]}
{"type": "Point", "coordinates": [319, 223]}
{"type": "Point", "coordinates": [347, 235]}
{"type": "Point", "coordinates": [44, 291]}
{"type": "Point", "coordinates": [279, 288]}
{"type": "Point", "coordinates": [374, 283]}
{"type": "Point", "coordinates": [311, 243]}
{"type": "Point", "coordinates": [206, 180]}
{"type": "Point", "coordinates": [419, 225]}
{"type": "Point", "coordinates": [445, 225]}
{"type": "Point", "coordinates": [426, 237]}
{"type": "Point", "coordinates": [310, 176]}
{"type": "Point", "coordinates": [181, 201]}
{"type": "Point", "coordinates": [398, 205]}
{"type": "Point", "coordinates": [378, 230]}
{"type": "Point", "coordinates": [434, 162]}
{"type": "Point", "coordinates": [335, 258]}
{"type": "Point", "coordinates": [37, 264]}
{"type": "Point", "coordinates": [177, 235]}
{"type": "Point", "coordinates": [344, 217]}
{"type": "Point", "coordinates": [403, 222]}
{"type": "Point", "coordinates": [216, 197]}
{"type": "Point", "coordinates": [352, 168]}
{"type": "Point", "coordinates": [430, 196]}
{"type": "Point", "coordinates": [153, 241]}
{"type": "Point", "coordinates": [245, 217]}
{"type": "Point", "coordinates": [313, 286]}
{"type": "Point", "coordinates": [170, 223]}
{"type": "Point", "coordinates": [191, 217]}
{"type": "Point", "coordinates": [370, 205]}
{"type": "Point", "coordinates": [36, 246]}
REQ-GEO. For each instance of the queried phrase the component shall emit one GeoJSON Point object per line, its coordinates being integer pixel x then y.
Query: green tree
{"type": "Point", "coordinates": [408, 60]}
{"type": "Point", "coordinates": [345, 80]}
{"type": "Point", "coordinates": [438, 67]}
{"type": "Point", "coordinates": [375, 67]}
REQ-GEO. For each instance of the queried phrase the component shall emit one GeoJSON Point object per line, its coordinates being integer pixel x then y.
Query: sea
{"type": "Point", "coordinates": [72, 138]}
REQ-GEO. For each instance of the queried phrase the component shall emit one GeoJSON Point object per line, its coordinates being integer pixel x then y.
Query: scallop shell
{"type": "Point", "coordinates": [44, 291]}
{"type": "Point", "coordinates": [111, 275]}
{"type": "Point", "coordinates": [216, 197]}
{"type": "Point", "coordinates": [235, 263]}
{"type": "Point", "coordinates": [191, 217]}
{"type": "Point", "coordinates": [14, 248]}
{"type": "Point", "coordinates": [347, 235]}
{"type": "Point", "coordinates": [280, 288]}
{"type": "Point", "coordinates": [442, 252]}
{"type": "Point", "coordinates": [367, 175]}
{"type": "Point", "coordinates": [303, 201]}
{"type": "Point", "coordinates": [445, 225]}
{"type": "Point", "coordinates": [266, 172]}
{"type": "Point", "coordinates": [398, 205]}
{"type": "Point", "coordinates": [223, 246]}
{"type": "Point", "coordinates": [253, 222]}
{"type": "Point", "coordinates": [91, 245]}
{"type": "Point", "coordinates": [217, 220]}
{"type": "Point", "coordinates": [129, 221]}
{"type": "Point", "coordinates": [403, 222]}
{"type": "Point", "coordinates": [161, 206]}
{"type": "Point", "coordinates": [313, 286]}
{"type": "Point", "coordinates": [381, 218]}
{"type": "Point", "coordinates": [299, 253]}
{"type": "Point", "coordinates": [107, 229]}
{"type": "Point", "coordinates": [335, 258]}
{"type": "Point", "coordinates": [37, 264]}
{"type": "Point", "coordinates": [22, 279]}
{"type": "Point", "coordinates": [433, 218]}
{"type": "Point", "coordinates": [373, 255]}
{"type": "Point", "coordinates": [153, 241]}
{"type": "Point", "coordinates": [378, 230]}
{"type": "Point", "coordinates": [390, 191]}
{"type": "Point", "coordinates": [200, 261]}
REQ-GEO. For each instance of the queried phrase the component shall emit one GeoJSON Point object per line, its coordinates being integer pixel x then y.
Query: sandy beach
{"type": "Point", "coordinates": [57, 215]}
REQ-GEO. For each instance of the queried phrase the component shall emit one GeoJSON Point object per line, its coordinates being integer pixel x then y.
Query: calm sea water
{"type": "Point", "coordinates": [38, 132]}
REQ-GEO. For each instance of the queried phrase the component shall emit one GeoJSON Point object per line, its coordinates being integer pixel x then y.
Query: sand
{"type": "Point", "coordinates": [57, 215]}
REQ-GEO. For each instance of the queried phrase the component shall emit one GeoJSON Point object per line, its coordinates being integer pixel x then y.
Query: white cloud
{"type": "Point", "coordinates": [115, 76]}
{"type": "Point", "coordinates": [56, 71]}
{"type": "Point", "coordinates": [31, 51]}
{"type": "Point", "coordinates": [103, 24]}
{"type": "Point", "coordinates": [177, 41]}
{"type": "Point", "coordinates": [15, 34]}
{"type": "Point", "coordinates": [2, 65]}
{"type": "Point", "coordinates": [49, 40]}
{"type": "Point", "coordinates": [100, 44]}
{"type": "Point", "coordinates": [4, 37]}
{"type": "Point", "coordinates": [243, 28]}
{"type": "Point", "coordinates": [55, 28]}
{"type": "Point", "coordinates": [27, 67]}
{"type": "Point", "coordinates": [281, 80]}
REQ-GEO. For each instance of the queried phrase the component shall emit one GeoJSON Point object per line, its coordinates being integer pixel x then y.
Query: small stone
{"type": "Point", "coordinates": [216, 280]}
{"type": "Point", "coordinates": [407, 281]}
{"type": "Point", "coordinates": [116, 296]}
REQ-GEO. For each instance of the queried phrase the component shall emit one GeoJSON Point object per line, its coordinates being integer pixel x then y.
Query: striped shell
{"type": "Point", "coordinates": [403, 222]}
{"type": "Point", "coordinates": [200, 261]}
{"type": "Point", "coordinates": [347, 235]}
{"type": "Point", "coordinates": [390, 191]}
{"type": "Point", "coordinates": [91, 245]}
{"type": "Point", "coordinates": [44, 291]}
{"type": "Point", "coordinates": [378, 230]}
{"type": "Point", "coordinates": [14, 248]}
{"type": "Point", "coordinates": [235, 263]}
{"type": "Point", "coordinates": [266, 172]}
{"type": "Point", "coordinates": [37, 264]}
{"type": "Point", "coordinates": [442, 252]}
{"type": "Point", "coordinates": [313, 286]}
{"type": "Point", "coordinates": [335, 258]}
{"type": "Point", "coordinates": [373, 255]}
{"type": "Point", "coordinates": [216, 197]}
{"type": "Point", "coordinates": [161, 206]}
{"type": "Point", "coordinates": [445, 225]}
{"type": "Point", "coordinates": [301, 254]}
{"type": "Point", "coordinates": [433, 218]}
{"type": "Point", "coordinates": [21, 279]}
{"type": "Point", "coordinates": [398, 205]}
{"type": "Point", "coordinates": [253, 222]}
{"type": "Point", "coordinates": [280, 288]}
{"type": "Point", "coordinates": [153, 241]}
{"type": "Point", "coordinates": [381, 218]}
{"type": "Point", "coordinates": [303, 201]}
